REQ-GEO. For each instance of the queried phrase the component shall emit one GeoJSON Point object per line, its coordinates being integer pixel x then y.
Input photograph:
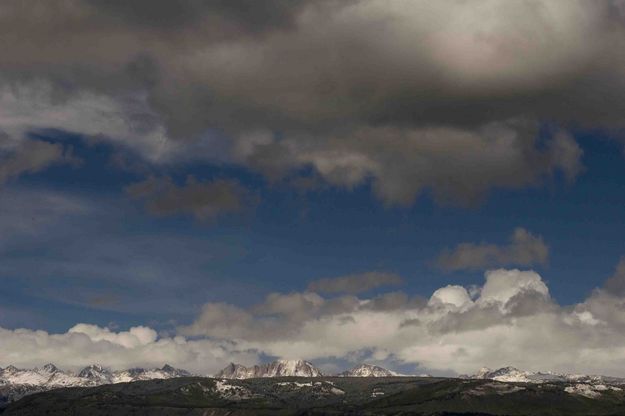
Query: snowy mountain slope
{"type": "Point", "coordinates": [368, 370]}
{"type": "Point", "coordinates": [136, 374]}
{"type": "Point", "coordinates": [96, 375]}
{"type": "Point", "coordinates": [15, 383]}
{"type": "Point", "coordinates": [514, 375]}
{"type": "Point", "coordinates": [279, 368]}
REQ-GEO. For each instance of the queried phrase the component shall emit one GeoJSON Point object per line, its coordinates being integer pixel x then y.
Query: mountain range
{"type": "Point", "coordinates": [15, 383]}
{"type": "Point", "coordinates": [279, 368]}
{"type": "Point", "coordinates": [297, 396]}
{"type": "Point", "coordinates": [514, 375]}
{"type": "Point", "coordinates": [368, 370]}
{"type": "Point", "coordinates": [297, 368]}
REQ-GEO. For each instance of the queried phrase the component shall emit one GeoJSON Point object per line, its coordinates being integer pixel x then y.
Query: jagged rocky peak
{"type": "Point", "coordinates": [11, 369]}
{"type": "Point", "coordinates": [95, 372]}
{"type": "Point", "coordinates": [299, 368]}
{"type": "Point", "coordinates": [486, 372]}
{"type": "Point", "coordinates": [368, 370]}
{"type": "Point", "coordinates": [174, 372]}
{"type": "Point", "coordinates": [482, 372]}
{"type": "Point", "coordinates": [512, 374]}
{"type": "Point", "coordinates": [278, 368]}
{"type": "Point", "coordinates": [236, 371]}
{"type": "Point", "coordinates": [503, 374]}
{"type": "Point", "coordinates": [50, 368]}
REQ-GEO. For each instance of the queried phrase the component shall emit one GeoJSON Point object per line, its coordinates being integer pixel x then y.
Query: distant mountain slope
{"type": "Point", "coordinates": [15, 383]}
{"type": "Point", "coordinates": [326, 396]}
{"type": "Point", "coordinates": [511, 374]}
{"type": "Point", "coordinates": [279, 368]}
{"type": "Point", "coordinates": [368, 370]}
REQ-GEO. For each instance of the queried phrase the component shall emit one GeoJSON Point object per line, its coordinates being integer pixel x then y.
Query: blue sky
{"type": "Point", "coordinates": [287, 239]}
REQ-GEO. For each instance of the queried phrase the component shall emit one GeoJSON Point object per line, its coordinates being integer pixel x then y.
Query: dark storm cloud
{"type": "Point", "coordinates": [444, 96]}
{"type": "Point", "coordinates": [525, 249]}
{"type": "Point", "coordinates": [204, 200]}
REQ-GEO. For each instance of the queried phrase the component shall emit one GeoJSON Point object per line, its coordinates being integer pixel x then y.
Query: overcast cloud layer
{"type": "Point", "coordinates": [510, 320]}
{"type": "Point", "coordinates": [408, 94]}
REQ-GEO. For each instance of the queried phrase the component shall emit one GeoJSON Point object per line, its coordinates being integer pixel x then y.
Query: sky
{"type": "Point", "coordinates": [431, 187]}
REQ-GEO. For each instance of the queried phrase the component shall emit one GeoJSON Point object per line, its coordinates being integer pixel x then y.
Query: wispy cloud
{"type": "Point", "coordinates": [524, 249]}
{"type": "Point", "coordinates": [355, 283]}
{"type": "Point", "coordinates": [204, 200]}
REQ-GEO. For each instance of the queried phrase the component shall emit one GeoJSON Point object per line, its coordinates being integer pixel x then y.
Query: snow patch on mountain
{"type": "Point", "coordinates": [279, 368]}
{"type": "Point", "coordinates": [16, 383]}
{"type": "Point", "coordinates": [514, 375]}
{"type": "Point", "coordinates": [368, 370]}
{"type": "Point", "coordinates": [589, 390]}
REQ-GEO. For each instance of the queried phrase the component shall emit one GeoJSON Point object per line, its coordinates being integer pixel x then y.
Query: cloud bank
{"type": "Point", "coordinates": [510, 320]}
{"type": "Point", "coordinates": [86, 344]}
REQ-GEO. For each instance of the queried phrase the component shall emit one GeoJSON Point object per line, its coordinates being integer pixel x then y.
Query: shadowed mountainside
{"type": "Point", "coordinates": [325, 396]}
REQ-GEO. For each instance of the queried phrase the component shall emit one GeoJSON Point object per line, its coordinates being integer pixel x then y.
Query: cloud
{"type": "Point", "coordinates": [616, 283]}
{"type": "Point", "coordinates": [204, 200]}
{"type": "Point", "coordinates": [525, 249]}
{"type": "Point", "coordinates": [512, 320]}
{"type": "Point", "coordinates": [355, 283]}
{"type": "Point", "coordinates": [451, 295]}
{"type": "Point", "coordinates": [403, 162]}
{"type": "Point", "coordinates": [445, 98]}
{"type": "Point", "coordinates": [30, 156]}
{"type": "Point", "coordinates": [87, 344]}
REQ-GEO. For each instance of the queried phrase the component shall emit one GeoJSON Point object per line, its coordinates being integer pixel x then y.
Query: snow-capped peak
{"type": "Point", "coordinates": [174, 372]}
{"type": "Point", "coordinates": [278, 368]}
{"type": "Point", "coordinates": [368, 370]}
{"type": "Point", "coordinates": [17, 382]}
{"type": "Point", "coordinates": [49, 368]}
{"type": "Point", "coordinates": [512, 374]}
{"type": "Point", "coordinates": [482, 372]}
{"type": "Point", "coordinates": [96, 374]}
{"type": "Point", "coordinates": [292, 368]}
{"type": "Point", "coordinates": [50, 376]}
{"type": "Point", "coordinates": [11, 369]}
{"type": "Point", "coordinates": [509, 374]}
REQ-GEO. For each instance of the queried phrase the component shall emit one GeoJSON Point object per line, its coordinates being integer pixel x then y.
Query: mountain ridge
{"type": "Point", "coordinates": [514, 375]}
{"type": "Point", "coordinates": [278, 368]}
{"type": "Point", "coordinates": [16, 383]}
{"type": "Point", "coordinates": [196, 396]}
{"type": "Point", "coordinates": [368, 370]}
